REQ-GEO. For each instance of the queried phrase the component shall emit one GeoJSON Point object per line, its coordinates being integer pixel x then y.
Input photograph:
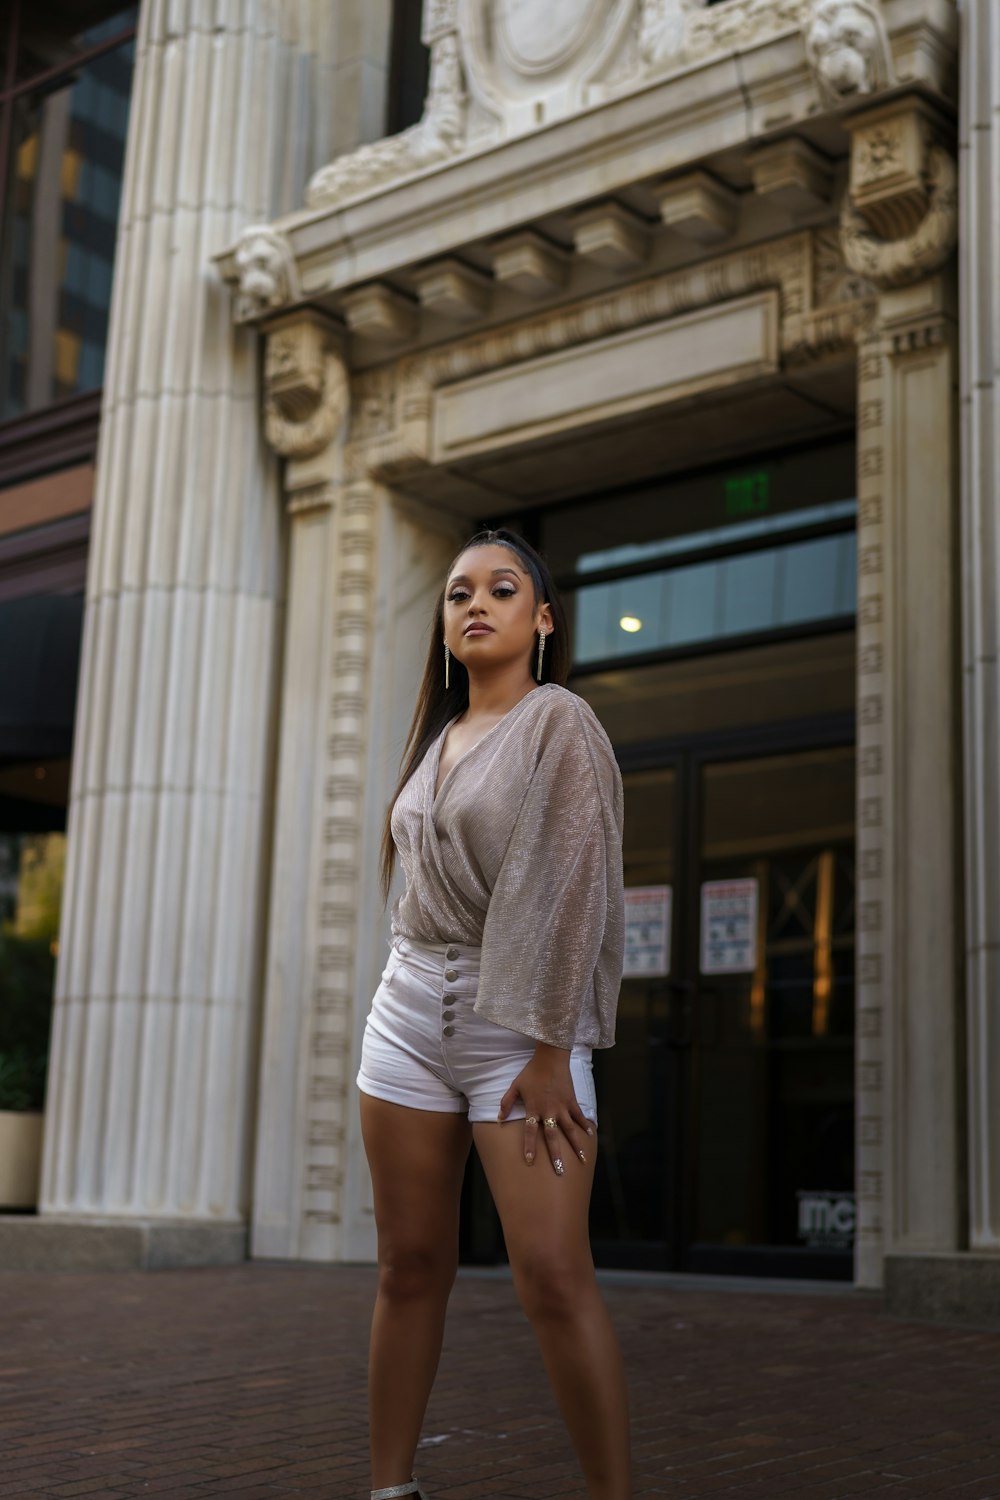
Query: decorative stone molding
{"type": "Point", "coordinates": [530, 264]}
{"type": "Point", "coordinates": [889, 164]}
{"type": "Point", "coordinates": [848, 49]}
{"type": "Point", "coordinates": [438, 19]}
{"type": "Point", "coordinates": [329, 1069]}
{"type": "Point", "coordinates": [738, 25]}
{"type": "Point", "coordinates": [899, 221]}
{"type": "Point", "coordinates": [834, 283]}
{"type": "Point", "coordinates": [453, 289]}
{"type": "Point", "coordinates": [267, 274]}
{"type": "Point", "coordinates": [380, 312]}
{"type": "Point", "coordinates": [305, 384]}
{"type": "Point", "coordinates": [699, 207]}
{"type": "Point", "coordinates": [663, 32]}
{"type": "Point", "coordinates": [793, 174]}
{"type": "Point", "coordinates": [611, 235]}
{"type": "Point", "coordinates": [821, 313]}
{"type": "Point", "coordinates": [440, 133]}
{"type": "Point", "coordinates": [501, 68]}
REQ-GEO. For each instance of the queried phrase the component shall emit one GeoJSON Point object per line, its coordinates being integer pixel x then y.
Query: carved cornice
{"type": "Point", "coordinates": [305, 384]}
{"type": "Point", "coordinates": [823, 307]}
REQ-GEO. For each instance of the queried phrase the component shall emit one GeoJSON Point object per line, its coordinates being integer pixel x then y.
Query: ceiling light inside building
{"type": "Point", "coordinates": [630, 623]}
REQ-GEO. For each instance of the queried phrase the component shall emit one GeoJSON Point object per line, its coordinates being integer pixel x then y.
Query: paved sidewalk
{"type": "Point", "coordinates": [249, 1382]}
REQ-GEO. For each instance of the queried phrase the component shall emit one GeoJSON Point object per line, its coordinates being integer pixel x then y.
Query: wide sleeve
{"type": "Point", "coordinates": [553, 904]}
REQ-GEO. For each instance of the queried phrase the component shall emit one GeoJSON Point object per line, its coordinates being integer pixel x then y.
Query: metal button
{"type": "Point", "coordinates": [449, 1015]}
{"type": "Point", "coordinates": [450, 974]}
{"type": "Point", "coordinates": [452, 953]}
{"type": "Point", "coordinates": [449, 1031]}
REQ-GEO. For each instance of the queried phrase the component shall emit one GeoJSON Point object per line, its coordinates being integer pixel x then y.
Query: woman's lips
{"type": "Point", "coordinates": [478, 630]}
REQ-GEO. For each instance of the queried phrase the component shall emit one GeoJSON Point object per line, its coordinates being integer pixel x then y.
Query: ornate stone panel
{"type": "Point", "coordinates": [501, 68]}
{"type": "Point", "coordinates": [874, 895]}
{"type": "Point", "coordinates": [329, 1081]}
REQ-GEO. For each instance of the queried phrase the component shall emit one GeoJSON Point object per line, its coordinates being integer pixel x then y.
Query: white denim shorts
{"type": "Point", "coordinates": [424, 1045]}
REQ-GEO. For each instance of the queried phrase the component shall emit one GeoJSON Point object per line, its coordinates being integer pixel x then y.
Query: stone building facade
{"type": "Point", "coordinates": [627, 239]}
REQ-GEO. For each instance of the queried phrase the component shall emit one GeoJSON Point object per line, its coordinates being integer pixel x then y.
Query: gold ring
{"type": "Point", "coordinates": [531, 1119]}
{"type": "Point", "coordinates": [550, 1122]}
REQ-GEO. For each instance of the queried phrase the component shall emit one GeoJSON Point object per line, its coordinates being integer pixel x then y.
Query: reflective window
{"type": "Point", "coordinates": [713, 556]}
{"type": "Point", "coordinates": [65, 117]}
{"type": "Point", "coordinates": [782, 585]}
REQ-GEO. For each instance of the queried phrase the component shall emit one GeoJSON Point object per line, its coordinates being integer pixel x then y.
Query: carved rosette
{"type": "Point", "coordinates": [305, 384]}
{"type": "Point", "coordinates": [899, 221]}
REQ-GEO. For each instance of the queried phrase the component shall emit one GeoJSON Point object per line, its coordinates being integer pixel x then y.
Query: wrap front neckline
{"type": "Point", "coordinates": [434, 754]}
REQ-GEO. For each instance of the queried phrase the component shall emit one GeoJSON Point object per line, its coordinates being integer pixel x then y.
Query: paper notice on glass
{"type": "Point", "coordinates": [647, 930]}
{"type": "Point", "coordinates": [729, 926]}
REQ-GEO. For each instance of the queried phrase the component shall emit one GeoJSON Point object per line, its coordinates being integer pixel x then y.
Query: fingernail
{"type": "Point", "coordinates": [558, 1167]}
{"type": "Point", "coordinates": [529, 1157]}
{"type": "Point", "coordinates": [590, 1130]}
{"type": "Point", "coordinates": [581, 1156]}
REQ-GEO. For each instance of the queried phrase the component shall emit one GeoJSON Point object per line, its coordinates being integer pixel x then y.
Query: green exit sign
{"type": "Point", "coordinates": [748, 494]}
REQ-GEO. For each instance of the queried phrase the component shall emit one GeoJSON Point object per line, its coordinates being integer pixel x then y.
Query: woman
{"type": "Point", "coordinates": [504, 971]}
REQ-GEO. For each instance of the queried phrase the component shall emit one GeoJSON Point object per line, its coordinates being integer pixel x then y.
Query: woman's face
{"type": "Point", "coordinates": [490, 615]}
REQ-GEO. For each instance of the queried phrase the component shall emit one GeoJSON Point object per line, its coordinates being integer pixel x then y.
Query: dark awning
{"type": "Point", "coordinates": [40, 638]}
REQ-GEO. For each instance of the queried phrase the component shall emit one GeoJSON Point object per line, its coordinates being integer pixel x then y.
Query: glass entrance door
{"type": "Point", "coordinates": [727, 1103]}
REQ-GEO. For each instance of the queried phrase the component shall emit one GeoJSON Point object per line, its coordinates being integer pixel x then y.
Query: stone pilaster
{"type": "Point", "coordinates": [874, 757]}
{"type": "Point", "coordinates": [898, 229]}
{"type": "Point", "coordinates": [925, 1031]}
{"type": "Point", "coordinates": [979, 159]}
{"type": "Point", "coordinates": [352, 654]}
{"type": "Point", "coordinates": [150, 1113]}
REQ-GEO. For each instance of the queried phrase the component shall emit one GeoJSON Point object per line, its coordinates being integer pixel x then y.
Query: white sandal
{"type": "Point", "coordinates": [395, 1490]}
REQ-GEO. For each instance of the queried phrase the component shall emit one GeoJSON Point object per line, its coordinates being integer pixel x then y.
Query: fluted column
{"type": "Point", "coordinates": [153, 1058]}
{"type": "Point", "coordinates": [979, 162]}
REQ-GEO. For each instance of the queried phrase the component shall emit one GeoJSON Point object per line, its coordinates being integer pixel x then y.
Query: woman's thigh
{"type": "Point", "coordinates": [417, 1161]}
{"type": "Point", "coordinates": [544, 1216]}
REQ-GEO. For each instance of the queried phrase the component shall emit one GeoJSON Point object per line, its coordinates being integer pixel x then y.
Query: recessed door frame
{"type": "Point", "coordinates": [688, 757]}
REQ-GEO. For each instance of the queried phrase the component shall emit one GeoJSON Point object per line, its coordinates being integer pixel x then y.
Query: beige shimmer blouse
{"type": "Point", "coordinates": [521, 852]}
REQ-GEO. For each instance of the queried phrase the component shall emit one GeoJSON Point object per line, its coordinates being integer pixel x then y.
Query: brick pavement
{"type": "Point", "coordinates": [248, 1382]}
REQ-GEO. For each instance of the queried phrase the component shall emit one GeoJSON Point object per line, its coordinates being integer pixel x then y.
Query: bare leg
{"type": "Point", "coordinates": [544, 1221]}
{"type": "Point", "coordinates": [417, 1159]}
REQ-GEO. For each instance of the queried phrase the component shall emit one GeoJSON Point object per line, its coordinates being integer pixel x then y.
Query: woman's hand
{"type": "Point", "coordinates": [546, 1087]}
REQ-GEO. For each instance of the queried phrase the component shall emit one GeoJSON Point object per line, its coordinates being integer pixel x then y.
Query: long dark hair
{"type": "Point", "coordinates": [436, 704]}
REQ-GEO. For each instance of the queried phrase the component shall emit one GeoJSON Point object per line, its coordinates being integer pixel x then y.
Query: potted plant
{"type": "Point", "coordinates": [25, 1014]}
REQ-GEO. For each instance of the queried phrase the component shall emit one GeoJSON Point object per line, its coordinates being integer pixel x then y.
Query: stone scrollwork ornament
{"type": "Point", "coordinates": [847, 48]}
{"type": "Point", "coordinates": [266, 271]}
{"type": "Point", "coordinates": [900, 262]}
{"type": "Point", "coordinates": [306, 386]}
{"type": "Point", "coordinates": [438, 134]}
{"type": "Point", "coordinates": [663, 32]}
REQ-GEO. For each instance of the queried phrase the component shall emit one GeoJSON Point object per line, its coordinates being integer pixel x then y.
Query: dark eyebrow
{"type": "Point", "coordinates": [461, 578]}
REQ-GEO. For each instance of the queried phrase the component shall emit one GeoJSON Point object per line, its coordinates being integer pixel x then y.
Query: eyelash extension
{"type": "Point", "coordinates": [506, 592]}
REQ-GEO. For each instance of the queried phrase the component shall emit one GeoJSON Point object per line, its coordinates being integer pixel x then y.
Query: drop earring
{"type": "Point", "coordinates": [541, 648]}
{"type": "Point", "coordinates": [447, 654]}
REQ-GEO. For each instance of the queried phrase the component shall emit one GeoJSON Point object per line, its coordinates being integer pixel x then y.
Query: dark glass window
{"type": "Point", "coordinates": [409, 68]}
{"type": "Point", "coordinates": [761, 549]}
{"type": "Point", "coordinates": [63, 120]}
